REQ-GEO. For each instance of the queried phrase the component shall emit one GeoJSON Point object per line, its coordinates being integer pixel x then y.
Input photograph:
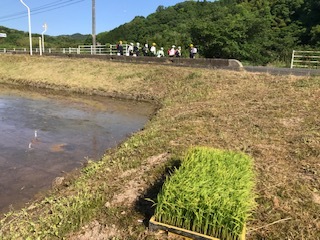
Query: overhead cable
{"type": "Point", "coordinates": [41, 9]}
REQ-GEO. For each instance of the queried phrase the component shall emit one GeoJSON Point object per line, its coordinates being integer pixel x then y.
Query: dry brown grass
{"type": "Point", "coordinates": [275, 119]}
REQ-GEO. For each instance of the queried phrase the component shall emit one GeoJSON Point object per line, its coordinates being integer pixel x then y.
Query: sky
{"type": "Point", "coordinates": [74, 16]}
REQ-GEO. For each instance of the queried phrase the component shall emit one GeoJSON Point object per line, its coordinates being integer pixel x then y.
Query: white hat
{"type": "Point", "coordinates": [173, 46]}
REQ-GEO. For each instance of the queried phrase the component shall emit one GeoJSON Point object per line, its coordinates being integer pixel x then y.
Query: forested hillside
{"type": "Point", "coordinates": [257, 31]}
{"type": "Point", "coordinates": [20, 39]}
{"type": "Point", "coordinates": [254, 31]}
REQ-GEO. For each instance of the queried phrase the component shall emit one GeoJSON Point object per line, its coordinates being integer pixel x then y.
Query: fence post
{"type": "Point", "coordinates": [292, 58]}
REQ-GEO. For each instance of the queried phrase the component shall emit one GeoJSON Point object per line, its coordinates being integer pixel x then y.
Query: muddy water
{"type": "Point", "coordinates": [44, 135]}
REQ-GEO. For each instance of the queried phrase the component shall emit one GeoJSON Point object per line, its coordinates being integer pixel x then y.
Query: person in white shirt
{"type": "Point", "coordinates": [193, 51]}
{"type": "Point", "coordinates": [153, 49]}
{"type": "Point", "coordinates": [160, 52]}
{"type": "Point", "coordinates": [130, 50]}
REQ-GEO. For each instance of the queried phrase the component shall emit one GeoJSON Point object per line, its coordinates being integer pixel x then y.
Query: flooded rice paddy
{"type": "Point", "coordinates": [43, 135]}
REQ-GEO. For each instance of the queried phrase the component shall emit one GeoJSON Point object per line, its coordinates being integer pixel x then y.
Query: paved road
{"type": "Point", "coordinates": [284, 71]}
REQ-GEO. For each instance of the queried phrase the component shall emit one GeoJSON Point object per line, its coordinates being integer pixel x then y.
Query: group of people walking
{"type": "Point", "coordinates": [136, 50]}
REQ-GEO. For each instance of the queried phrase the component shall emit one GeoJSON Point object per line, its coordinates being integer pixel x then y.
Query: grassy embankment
{"type": "Point", "coordinates": [274, 119]}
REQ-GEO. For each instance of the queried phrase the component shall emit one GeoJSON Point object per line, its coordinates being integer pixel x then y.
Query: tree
{"type": "Point", "coordinates": [257, 31]}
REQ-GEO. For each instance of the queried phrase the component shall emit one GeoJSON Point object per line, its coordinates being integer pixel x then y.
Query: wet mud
{"type": "Point", "coordinates": [43, 135]}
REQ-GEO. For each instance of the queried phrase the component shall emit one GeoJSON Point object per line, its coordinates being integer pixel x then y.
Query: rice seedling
{"type": "Point", "coordinates": [211, 193]}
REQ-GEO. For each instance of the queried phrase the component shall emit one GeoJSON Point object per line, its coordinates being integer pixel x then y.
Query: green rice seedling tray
{"type": "Point", "coordinates": [156, 226]}
{"type": "Point", "coordinates": [211, 193]}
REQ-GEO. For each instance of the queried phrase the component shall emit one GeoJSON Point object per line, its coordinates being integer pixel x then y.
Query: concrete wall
{"type": "Point", "coordinates": [231, 64]}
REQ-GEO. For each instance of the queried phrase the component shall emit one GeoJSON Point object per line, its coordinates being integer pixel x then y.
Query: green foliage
{"type": "Point", "coordinates": [211, 193]}
{"type": "Point", "coordinates": [20, 39]}
{"type": "Point", "coordinates": [167, 26]}
{"type": "Point", "coordinates": [254, 31]}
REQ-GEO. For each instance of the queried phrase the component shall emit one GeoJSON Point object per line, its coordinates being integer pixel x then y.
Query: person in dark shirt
{"type": "Point", "coordinates": [120, 48]}
{"type": "Point", "coordinates": [145, 50]}
{"type": "Point", "coordinates": [136, 50]}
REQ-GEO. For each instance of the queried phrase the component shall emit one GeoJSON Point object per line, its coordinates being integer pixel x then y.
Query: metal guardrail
{"type": "Point", "coordinates": [18, 50]}
{"type": "Point", "coordinates": [101, 49]}
{"type": "Point", "coordinates": [305, 59]}
{"type": "Point", "coordinates": [81, 49]}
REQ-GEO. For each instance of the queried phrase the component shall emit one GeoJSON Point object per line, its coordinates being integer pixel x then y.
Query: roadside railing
{"type": "Point", "coordinates": [17, 50]}
{"type": "Point", "coordinates": [305, 59]}
{"type": "Point", "coordinates": [99, 50]}
{"type": "Point", "coordinates": [81, 49]}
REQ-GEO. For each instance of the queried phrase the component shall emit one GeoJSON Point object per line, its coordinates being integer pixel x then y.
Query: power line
{"type": "Point", "coordinates": [41, 9]}
{"type": "Point", "coordinates": [34, 9]}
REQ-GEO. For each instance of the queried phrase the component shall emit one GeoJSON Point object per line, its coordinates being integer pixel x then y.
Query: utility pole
{"type": "Point", "coordinates": [94, 26]}
{"type": "Point", "coordinates": [29, 20]}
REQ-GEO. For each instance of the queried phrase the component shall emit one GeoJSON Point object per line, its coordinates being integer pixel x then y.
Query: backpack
{"type": "Point", "coordinates": [194, 50]}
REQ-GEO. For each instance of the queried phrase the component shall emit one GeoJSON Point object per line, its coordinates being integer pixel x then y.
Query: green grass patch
{"type": "Point", "coordinates": [55, 216]}
{"type": "Point", "coordinates": [308, 83]}
{"type": "Point", "coordinates": [63, 215]}
{"type": "Point", "coordinates": [211, 193]}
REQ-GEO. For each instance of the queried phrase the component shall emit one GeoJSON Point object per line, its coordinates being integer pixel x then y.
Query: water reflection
{"type": "Point", "coordinates": [43, 135]}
